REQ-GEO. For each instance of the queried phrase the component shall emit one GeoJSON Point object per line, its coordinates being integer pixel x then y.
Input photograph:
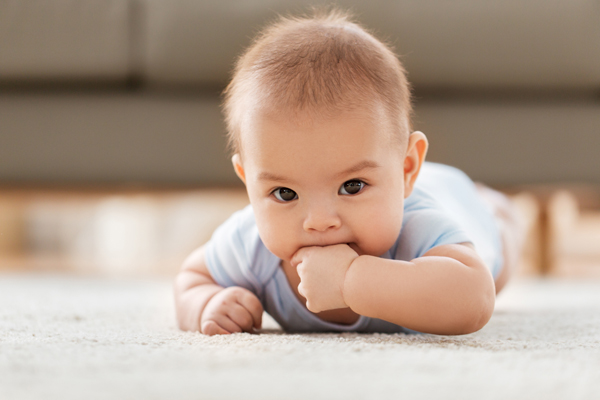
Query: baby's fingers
{"type": "Point", "coordinates": [222, 321]}
{"type": "Point", "coordinates": [212, 328]}
{"type": "Point", "coordinates": [242, 317]}
{"type": "Point", "coordinates": [251, 303]}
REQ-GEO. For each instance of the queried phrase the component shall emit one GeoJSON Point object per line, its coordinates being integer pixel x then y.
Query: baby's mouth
{"type": "Point", "coordinates": [354, 247]}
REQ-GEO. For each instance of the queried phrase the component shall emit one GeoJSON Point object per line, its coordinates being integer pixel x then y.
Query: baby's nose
{"type": "Point", "coordinates": [322, 219]}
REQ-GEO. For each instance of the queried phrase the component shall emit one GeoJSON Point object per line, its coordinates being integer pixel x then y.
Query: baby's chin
{"type": "Point", "coordinates": [357, 249]}
{"type": "Point", "coordinates": [375, 251]}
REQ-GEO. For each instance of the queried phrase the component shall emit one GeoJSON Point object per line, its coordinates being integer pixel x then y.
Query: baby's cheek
{"type": "Point", "coordinates": [280, 244]}
{"type": "Point", "coordinates": [380, 243]}
{"type": "Point", "coordinates": [382, 234]}
{"type": "Point", "coordinates": [275, 228]}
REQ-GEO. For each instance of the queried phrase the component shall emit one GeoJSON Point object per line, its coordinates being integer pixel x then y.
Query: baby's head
{"type": "Point", "coordinates": [318, 117]}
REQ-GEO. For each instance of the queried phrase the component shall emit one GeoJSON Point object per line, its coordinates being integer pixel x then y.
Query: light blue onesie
{"type": "Point", "coordinates": [444, 208]}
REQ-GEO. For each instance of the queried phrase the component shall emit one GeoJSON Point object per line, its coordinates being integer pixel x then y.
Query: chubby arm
{"type": "Point", "coordinates": [203, 305]}
{"type": "Point", "coordinates": [193, 288]}
{"type": "Point", "coordinates": [448, 291]}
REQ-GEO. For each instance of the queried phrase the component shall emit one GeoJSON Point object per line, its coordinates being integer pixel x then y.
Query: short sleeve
{"type": "Point", "coordinates": [426, 225]}
{"type": "Point", "coordinates": [236, 256]}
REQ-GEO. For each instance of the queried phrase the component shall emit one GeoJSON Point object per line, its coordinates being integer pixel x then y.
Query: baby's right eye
{"type": "Point", "coordinates": [285, 194]}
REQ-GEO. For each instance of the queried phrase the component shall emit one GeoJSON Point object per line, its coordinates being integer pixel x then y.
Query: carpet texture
{"type": "Point", "coordinates": [65, 337]}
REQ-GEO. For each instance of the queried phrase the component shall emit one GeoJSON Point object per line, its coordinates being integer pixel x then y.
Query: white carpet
{"type": "Point", "coordinates": [78, 338]}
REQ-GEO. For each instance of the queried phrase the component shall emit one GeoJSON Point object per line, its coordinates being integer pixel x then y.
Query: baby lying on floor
{"type": "Point", "coordinates": [348, 228]}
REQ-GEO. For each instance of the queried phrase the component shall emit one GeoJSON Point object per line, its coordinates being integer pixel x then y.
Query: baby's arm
{"type": "Point", "coordinates": [447, 291]}
{"type": "Point", "coordinates": [203, 305]}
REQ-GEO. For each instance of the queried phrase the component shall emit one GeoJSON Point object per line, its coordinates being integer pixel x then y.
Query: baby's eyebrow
{"type": "Point", "coordinates": [268, 176]}
{"type": "Point", "coordinates": [358, 167]}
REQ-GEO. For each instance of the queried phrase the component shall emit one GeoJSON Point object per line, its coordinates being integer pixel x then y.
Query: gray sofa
{"type": "Point", "coordinates": [127, 91]}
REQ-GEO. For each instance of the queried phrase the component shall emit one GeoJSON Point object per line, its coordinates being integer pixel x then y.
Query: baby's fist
{"type": "Point", "coordinates": [233, 309]}
{"type": "Point", "coordinates": [322, 271]}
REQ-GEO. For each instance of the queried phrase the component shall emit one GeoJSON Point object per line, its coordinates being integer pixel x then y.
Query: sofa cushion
{"type": "Point", "coordinates": [80, 138]}
{"type": "Point", "coordinates": [462, 43]}
{"type": "Point", "coordinates": [64, 40]}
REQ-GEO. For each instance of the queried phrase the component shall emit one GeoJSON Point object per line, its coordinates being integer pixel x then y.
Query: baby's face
{"type": "Point", "coordinates": [321, 183]}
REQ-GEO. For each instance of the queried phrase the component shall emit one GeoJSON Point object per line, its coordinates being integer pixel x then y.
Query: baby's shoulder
{"type": "Point", "coordinates": [430, 219]}
{"type": "Point", "coordinates": [237, 246]}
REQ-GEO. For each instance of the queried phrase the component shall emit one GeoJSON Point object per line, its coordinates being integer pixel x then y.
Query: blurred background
{"type": "Point", "coordinates": [112, 147]}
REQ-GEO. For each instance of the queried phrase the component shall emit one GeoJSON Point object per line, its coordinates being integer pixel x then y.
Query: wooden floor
{"type": "Point", "coordinates": [115, 233]}
{"type": "Point", "coordinates": [136, 232]}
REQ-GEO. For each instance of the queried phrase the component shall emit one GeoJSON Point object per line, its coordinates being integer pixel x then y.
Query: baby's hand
{"type": "Point", "coordinates": [322, 271]}
{"type": "Point", "coordinates": [233, 309]}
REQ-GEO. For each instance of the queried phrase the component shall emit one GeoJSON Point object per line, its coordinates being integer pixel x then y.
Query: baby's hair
{"type": "Point", "coordinates": [316, 66]}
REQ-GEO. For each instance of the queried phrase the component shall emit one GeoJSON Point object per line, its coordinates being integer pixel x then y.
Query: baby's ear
{"type": "Point", "coordinates": [236, 160]}
{"type": "Point", "coordinates": [415, 156]}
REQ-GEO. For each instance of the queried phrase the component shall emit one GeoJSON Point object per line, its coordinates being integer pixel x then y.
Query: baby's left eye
{"type": "Point", "coordinates": [352, 187]}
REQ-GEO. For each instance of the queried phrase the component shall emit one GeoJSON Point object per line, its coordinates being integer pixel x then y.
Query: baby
{"type": "Point", "coordinates": [348, 228]}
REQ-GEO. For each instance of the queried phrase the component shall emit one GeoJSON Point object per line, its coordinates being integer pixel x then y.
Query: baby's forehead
{"type": "Point", "coordinates": [357, 133]}
{"type": "Point", "coordinates": [311, 118]}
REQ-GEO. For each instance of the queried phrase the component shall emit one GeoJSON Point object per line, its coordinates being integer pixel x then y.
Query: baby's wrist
{"type": "Point", "coordinates": [348, 277]}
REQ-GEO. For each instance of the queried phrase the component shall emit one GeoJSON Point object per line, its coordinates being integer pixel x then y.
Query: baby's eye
{"type": "Point", "coordinates": [285, 194]}
{"type": "Point", "coordinates": [352, 187]}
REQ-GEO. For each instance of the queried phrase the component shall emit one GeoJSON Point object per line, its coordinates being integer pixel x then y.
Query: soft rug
{"type": "Point", "coordinates": [67, 337]}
